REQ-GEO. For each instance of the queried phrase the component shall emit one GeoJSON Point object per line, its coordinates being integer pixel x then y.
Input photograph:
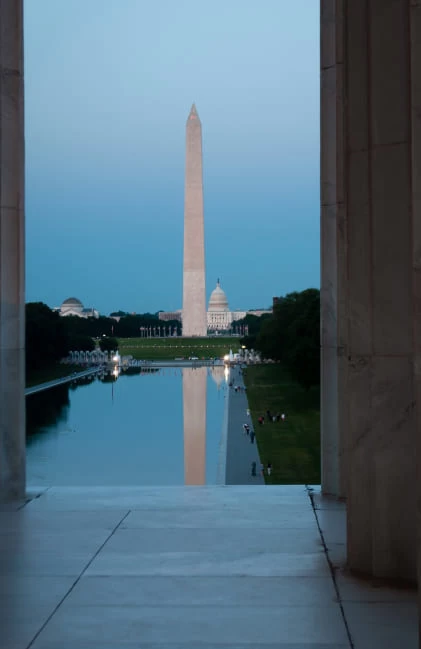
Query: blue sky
{"type": "Point", "coordinates": [109, 85]}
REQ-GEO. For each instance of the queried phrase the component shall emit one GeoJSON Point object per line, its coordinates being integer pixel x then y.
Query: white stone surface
{"type": "Point", "coordinates": [184, 568]}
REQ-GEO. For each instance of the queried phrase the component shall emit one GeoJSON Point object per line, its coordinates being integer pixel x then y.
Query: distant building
{"type": "Point", "coordinates": [73, 306]}
{"type": "Point", "coordinates": [219, 316]}
{"type": "Point", "coordinates": [170, 315]}
{"type": "Point", "coordinates": [259, 312]}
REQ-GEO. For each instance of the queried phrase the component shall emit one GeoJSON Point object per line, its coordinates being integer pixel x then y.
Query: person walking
{"type": "Point", "coordinates": [253, 469]}
{"type": "Point", "coordinates": [252, 436]}
{"type": "Point", "coordinates": [248, 412]}
{"type": "Point", "coordinates": [269, 468]}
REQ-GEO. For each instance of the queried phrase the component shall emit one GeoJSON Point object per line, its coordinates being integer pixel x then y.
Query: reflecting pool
{"type": "Point", "coordinates": [156, 427]}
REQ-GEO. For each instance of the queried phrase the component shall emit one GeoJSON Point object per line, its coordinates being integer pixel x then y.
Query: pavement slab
{"type": "Point", "coordinates": [234, 567]}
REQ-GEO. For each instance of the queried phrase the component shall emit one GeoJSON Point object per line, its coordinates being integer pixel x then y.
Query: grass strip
{"type": "Point", "coordinates": [292, 446]}
{"type": "Point", "coordinates": [171, 348]}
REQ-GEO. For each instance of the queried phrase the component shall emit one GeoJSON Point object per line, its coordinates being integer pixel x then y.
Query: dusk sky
{"type": "Point", "coordinates": [109, 85]}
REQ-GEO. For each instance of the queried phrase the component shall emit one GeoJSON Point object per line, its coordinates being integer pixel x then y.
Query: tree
{"type": "Point", "coordinates": [47, 340]}
{"type": "Point", "coordinates": [81, 343]}
{"type": "Point", "coordinates": [118, 314]}
{"type": "Point", "coordinates": [108, 344]}
{"type": "Point", "coordinates": [253, 322]}
{"type": "Point", "coordinates": [93, 327]}
{"type": "Point", "coordinates": [292, 336]}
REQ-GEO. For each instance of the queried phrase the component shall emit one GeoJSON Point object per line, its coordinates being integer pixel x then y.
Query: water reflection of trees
{"type": "Point", "coordinates": [135, 371]}
{"type": "Point", "coordinates": [107, 378]}
{"type": "Point", "coordinates": [50, 407]}
{"type": "Point", "coordinates": [110, 377]}
{"type": "Point", "coordinates": [82, 381]}
{"type": "Point", "coordinates": [46, 408]}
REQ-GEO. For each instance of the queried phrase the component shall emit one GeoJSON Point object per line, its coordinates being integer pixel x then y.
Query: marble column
{"type": "Point", "coordinates": [378, 286]}
{"type": "Point", "coordinates": [415, 40]}
{"type": "Point", "coordinates": [333, 251]}
{"type": "Point", "coordinates": [382, 437]}
{"type": "Point", "coordinates": [12, 298]}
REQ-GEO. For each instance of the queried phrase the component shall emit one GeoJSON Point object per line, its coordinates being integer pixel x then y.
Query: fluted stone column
{"type": "Point", "coordinates": [381, 489]}
{"type": "Point", "coordinates": [333, 251]}
{"type": "Point", "coordinates": [12, 299]}
{"type": "Point", "coordinates": [415, 36]}
{"type": "Point", "coordinates": [373, 264]}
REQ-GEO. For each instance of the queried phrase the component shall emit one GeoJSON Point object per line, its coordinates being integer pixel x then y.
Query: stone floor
{"type": "Point", "coordinates": [188, 567]}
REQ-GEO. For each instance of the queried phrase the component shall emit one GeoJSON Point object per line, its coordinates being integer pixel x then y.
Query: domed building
{"type": "Point", "coordinates": [219, 314]}
{"type": "Point", "coordinates": [73, 306]}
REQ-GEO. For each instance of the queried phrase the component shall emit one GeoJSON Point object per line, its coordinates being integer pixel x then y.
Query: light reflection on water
{"type": "Point", "coordinates": [128, 431]}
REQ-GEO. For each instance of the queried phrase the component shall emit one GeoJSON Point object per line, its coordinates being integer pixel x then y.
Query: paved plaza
{"type": "Point", "coordinates": [234, 567]}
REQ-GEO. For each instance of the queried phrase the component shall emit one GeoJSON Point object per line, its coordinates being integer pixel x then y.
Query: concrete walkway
{"type": "Point", "coordinates": [64, 379]}
{"type": "Point", "coordinates": [189, 568]}
{"type": "Point", "coordinates": [240, 452]}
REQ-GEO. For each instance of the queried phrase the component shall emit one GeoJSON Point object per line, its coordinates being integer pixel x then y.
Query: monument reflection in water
{"type": "Point", "coordinates": [194, 420]}
{"type": "Point", "coordinates": [114, 430]}
{"type": "Point", "coordinates": [194, 425]}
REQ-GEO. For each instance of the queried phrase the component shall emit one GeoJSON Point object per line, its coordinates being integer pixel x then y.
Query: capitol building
{"type": "Point", "coordinates": [219, 316]}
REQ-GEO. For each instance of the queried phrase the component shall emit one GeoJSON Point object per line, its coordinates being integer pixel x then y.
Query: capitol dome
{"type": "Point", "coordinates": [218, 300]}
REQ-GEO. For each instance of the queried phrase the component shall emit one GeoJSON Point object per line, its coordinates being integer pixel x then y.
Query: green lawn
{"type": "Point", "coordinates": [171, 348]}
{"type": "Point", "coordinates": [292, 446]}
{"type": "Point", "coordinates": [49, 373]}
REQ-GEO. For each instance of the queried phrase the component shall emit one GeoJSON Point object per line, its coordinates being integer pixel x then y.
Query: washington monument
{"type": "Point", "coordinates": [194, 298]}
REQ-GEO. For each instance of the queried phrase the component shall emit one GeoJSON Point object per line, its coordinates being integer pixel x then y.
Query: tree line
{"type": "Point", "coordinates": [50, 337]}
{"type": "Point", "coordinates": [291, 335]}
